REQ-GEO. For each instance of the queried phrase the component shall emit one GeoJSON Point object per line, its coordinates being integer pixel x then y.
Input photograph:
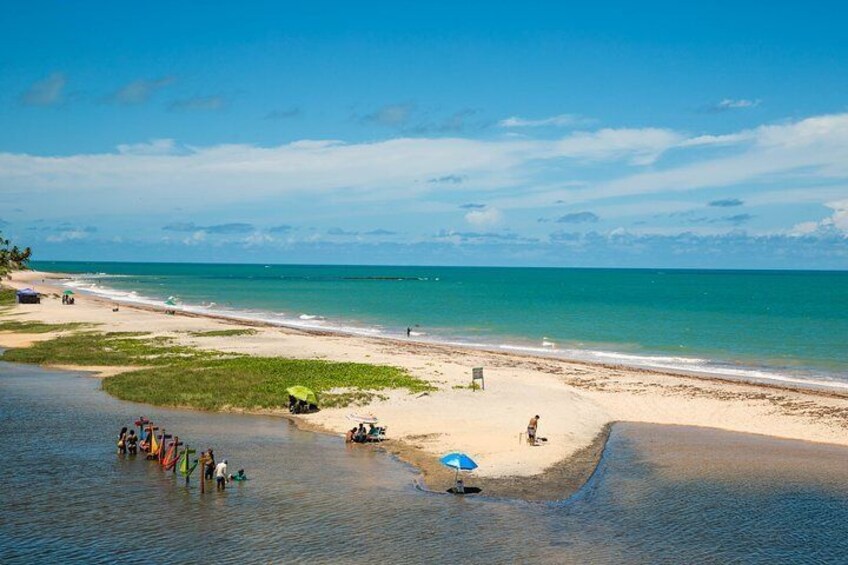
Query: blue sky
{"type": "Point", "coordinates": [615, 134]}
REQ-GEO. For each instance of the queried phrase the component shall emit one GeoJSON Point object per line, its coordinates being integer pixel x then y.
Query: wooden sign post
{"type": "Point", "coordinates": [477, 375]}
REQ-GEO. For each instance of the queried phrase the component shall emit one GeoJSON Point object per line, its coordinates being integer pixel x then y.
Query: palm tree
{"type": "Point", "coordinates": [13, 258]}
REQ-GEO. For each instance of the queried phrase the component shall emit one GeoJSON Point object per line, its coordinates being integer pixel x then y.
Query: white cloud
{"type": "Point", "coordinates": [836, 222]}
{"type": "Point", "coordinates": [67, 235]}
{"type": "Point", "coordinates": [484, 218]}
{"type": "Point", "coordinates": [811, 149]}
{"type": "Point", "coordinates": [561, 120]}
{"type": "Point", "coordinates": [195, 238]}
{"type": "Point", "coordinates": [153, 147]}
{"type": "Point", "coordinates": [731, 104]}
{"type": "Point", "coordinates": [639, 146]}
{"type": "Point", "coordinates": [506, 173]}
{"type": "Point", "coordinates": [395, 168]}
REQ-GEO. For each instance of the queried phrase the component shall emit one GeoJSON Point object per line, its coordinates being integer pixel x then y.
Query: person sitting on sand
{"type": "Point", "coordinates": [132, 443]}
{"type": "Point", "coordinates": [459, 487]}
{"type": "Point", "coordinates": [376, 433]}
{"type": "Point", "coordinates": [531, 429]}
{"type": "Point", "coordinates": [361, 435]}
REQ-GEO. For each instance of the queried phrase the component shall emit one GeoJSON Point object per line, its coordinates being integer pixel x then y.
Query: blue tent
{"type": "Point", "coordinates": [28, 296]}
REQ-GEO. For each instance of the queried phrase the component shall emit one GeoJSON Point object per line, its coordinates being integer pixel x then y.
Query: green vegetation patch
{"type": "Point", "coordinates": [106, 349]}
{"type": "Point", "coordinates": [7, 296]}
{"type": "Point", "coordinates": [223, 333]}
{"type": "Point", "coordinates": [257, 382]}
{"type": "Point", "coordinates": [39, 327]}
{"type": "Point", "coordinates": [176, 375]}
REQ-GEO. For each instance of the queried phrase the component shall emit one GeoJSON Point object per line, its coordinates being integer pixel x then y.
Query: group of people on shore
{"type": "Point", "coordinates": [358, 434]}
{"type": "Point", "coordinates": [154, 448]}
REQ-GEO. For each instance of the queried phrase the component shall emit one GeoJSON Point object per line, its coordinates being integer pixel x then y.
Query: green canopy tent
{"type": "Point", "coordinates": [306, 398]}
{"type": "Point", "coordinates": [68, 292]}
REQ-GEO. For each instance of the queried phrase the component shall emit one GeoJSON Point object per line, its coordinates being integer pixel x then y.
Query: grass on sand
{"type": "Point", "coordinates": [175, 375]}
{"type": "Point", "coordinates": [105, 349]}
{"type": "Point", "coordinates": [224, 333]}
{"type": "Point", "coordinates": [18, 326]}
{"type": "Point", "coordinates": [7, 296]}
{"type": "Point", "coordinates": [256, 382]}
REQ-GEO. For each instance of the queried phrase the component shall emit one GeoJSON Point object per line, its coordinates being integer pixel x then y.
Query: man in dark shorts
{"type": "Point", "coordinates": [531, 429]}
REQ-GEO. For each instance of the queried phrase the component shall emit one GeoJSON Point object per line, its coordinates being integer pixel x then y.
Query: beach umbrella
{"type": "Point", "coordinates": [458, 461]}
{"type": "Point", "coordinates": [303, 393]}
{"type": "Point", "coordinates": [68, 292]}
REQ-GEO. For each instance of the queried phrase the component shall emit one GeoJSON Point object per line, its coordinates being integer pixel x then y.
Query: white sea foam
{"type": "Point", "coordinates": [676, 363]}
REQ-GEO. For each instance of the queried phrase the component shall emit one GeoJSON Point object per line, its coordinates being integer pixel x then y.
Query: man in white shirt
{"type": "Point", "coordinates": [221, 475]}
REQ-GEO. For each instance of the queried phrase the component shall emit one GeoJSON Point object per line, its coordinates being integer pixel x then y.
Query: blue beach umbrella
{"type": "Point", "coordinates": [458, 461]}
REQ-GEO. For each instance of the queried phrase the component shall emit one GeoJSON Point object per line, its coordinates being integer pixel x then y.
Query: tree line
{"type": "Point", "coordinates": [13, 257]}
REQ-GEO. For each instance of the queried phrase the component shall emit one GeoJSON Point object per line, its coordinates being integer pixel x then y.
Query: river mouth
{"type": "Point", "coordinates": [660, 494]}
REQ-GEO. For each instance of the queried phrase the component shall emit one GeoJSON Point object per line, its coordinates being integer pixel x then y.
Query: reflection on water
{"type": "Point", "coordinates": [68, 497]}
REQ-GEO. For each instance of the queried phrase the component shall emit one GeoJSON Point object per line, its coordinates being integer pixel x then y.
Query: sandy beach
{"type": "Point", "coordinates": [576, 401]}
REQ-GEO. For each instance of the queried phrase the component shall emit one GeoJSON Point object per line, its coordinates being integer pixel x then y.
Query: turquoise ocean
{"type": "Point", "coordinates": [782, 326]}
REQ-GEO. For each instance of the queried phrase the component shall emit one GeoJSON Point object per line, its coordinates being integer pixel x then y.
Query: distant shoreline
{"type": "Point", "coordinates": [774, 380]}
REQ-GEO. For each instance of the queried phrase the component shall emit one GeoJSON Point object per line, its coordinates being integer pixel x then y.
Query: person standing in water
{"type": "Point", "coordinates": [132, 443]}
{"type": "Point", "coordinates": [408, 332]}
{"type": "Point", "coordinates": [122, 441]}
{"type": "Point", "coordinates": [210, 464]}
{"type": "Point", "coordinates": [221, 475]}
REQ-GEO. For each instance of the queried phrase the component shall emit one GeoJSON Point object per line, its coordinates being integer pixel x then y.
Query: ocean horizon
{"type": "Point", "coordinates": [781, 326]}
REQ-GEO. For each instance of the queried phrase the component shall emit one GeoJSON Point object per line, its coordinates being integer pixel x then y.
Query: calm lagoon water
{"type": "Point", "coordinates": [660, 495]}
{"type": "Point", "coordinates": [774, 325]}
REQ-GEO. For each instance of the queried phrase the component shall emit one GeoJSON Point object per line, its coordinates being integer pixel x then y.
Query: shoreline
{"type": "Point", "coordinates": [579, 401]}
{"type": "Point", "coordinates": [799, 385]}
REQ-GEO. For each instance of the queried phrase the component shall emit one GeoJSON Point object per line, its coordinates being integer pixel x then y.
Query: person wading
{"type": "Point", "coordinates": [221, 475]}
{"type": "Point", "coordinates": [210, 464]}
{"type": "Point", "coordinates": [122, 441]}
